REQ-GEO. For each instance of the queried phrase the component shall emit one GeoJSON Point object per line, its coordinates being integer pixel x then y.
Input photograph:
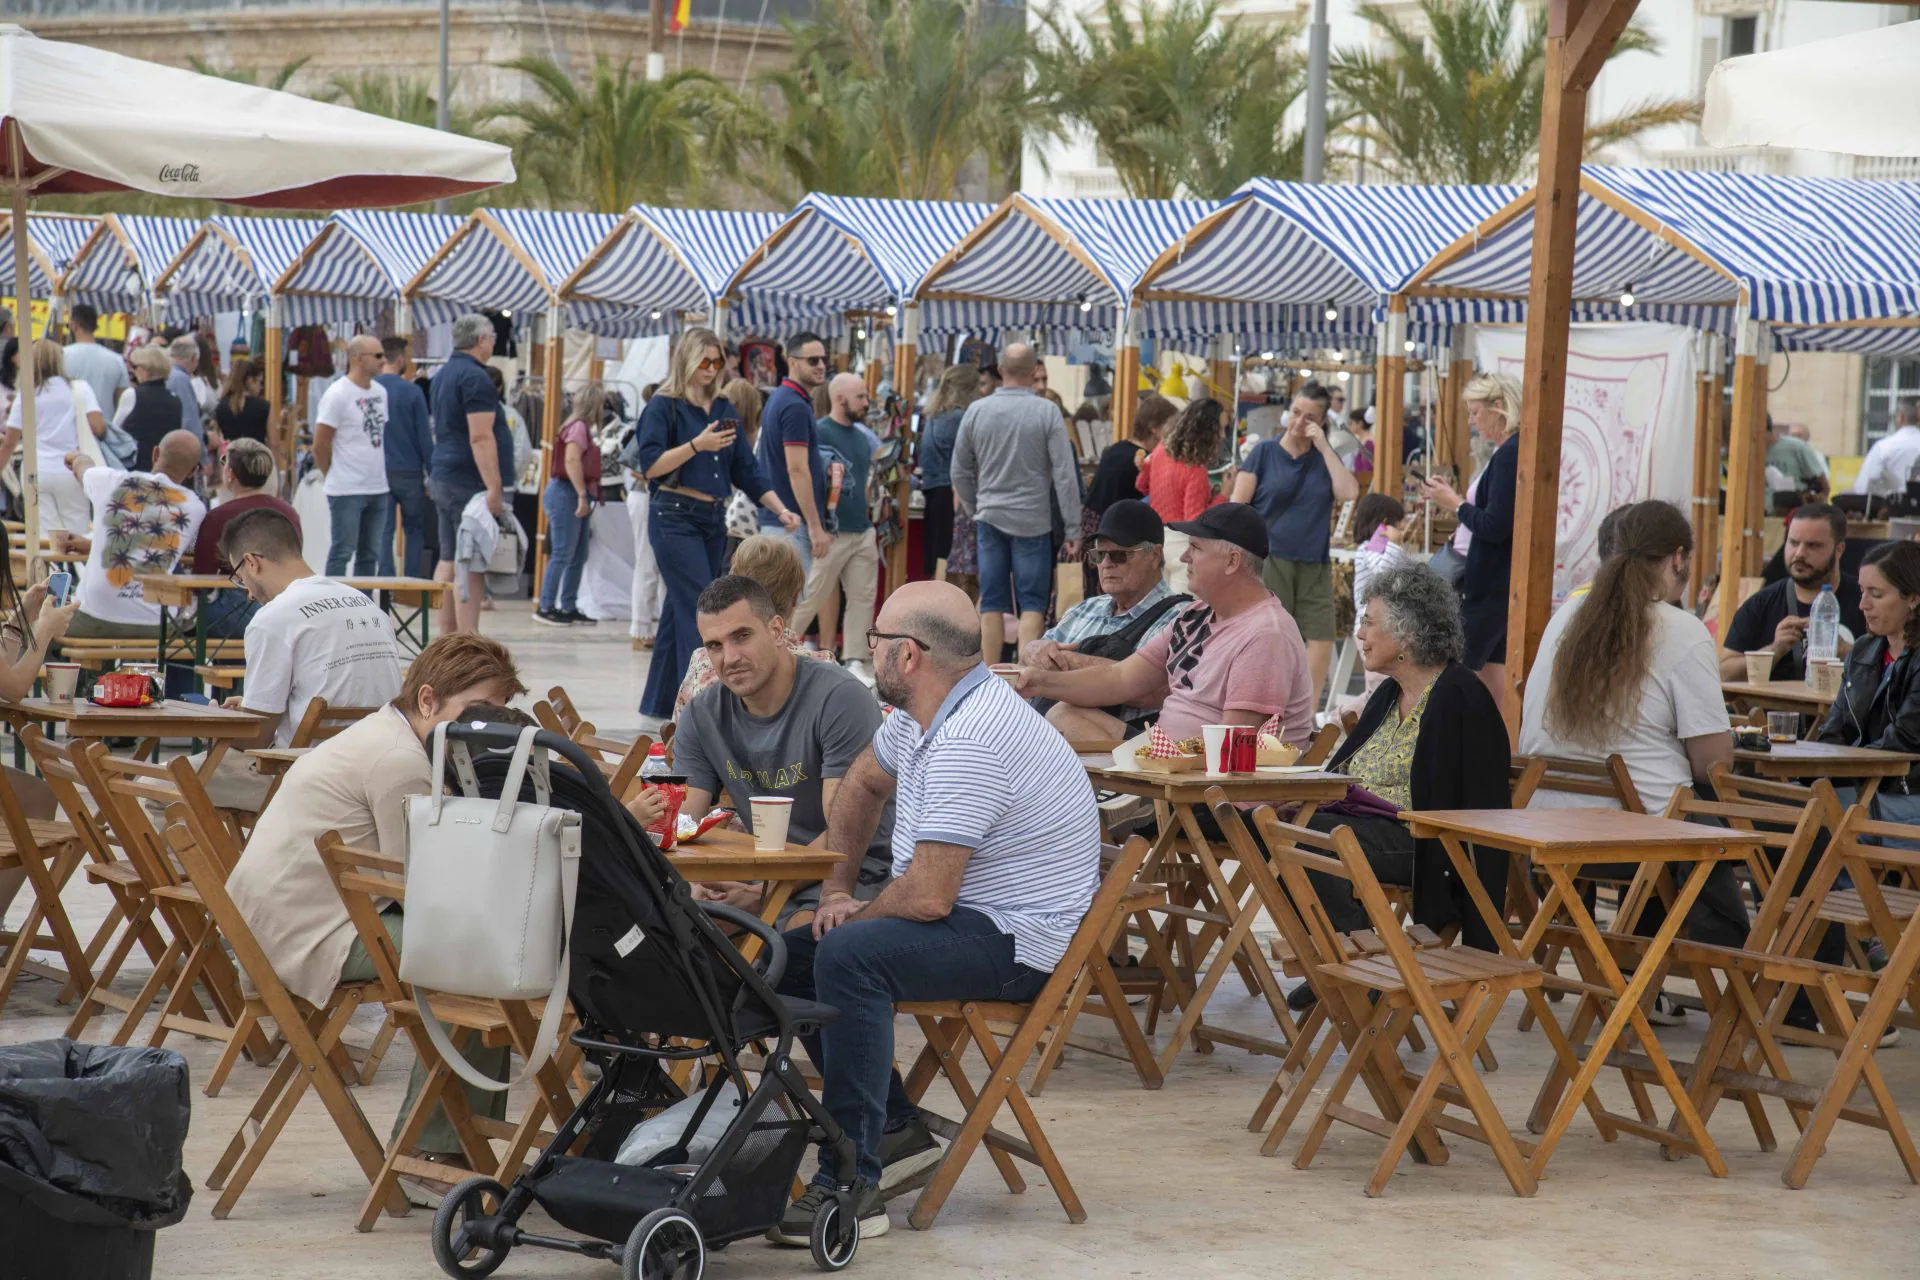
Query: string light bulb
{"type": "Point", "coordinates": [1626, 296]}
{"type": "Point", "coordinates": [1332, 312]}
{"type": "Point", "coordinates": [1410, 346]}
{"type": "Point", "coordinates": [892, 310]}
{"type": "Point", "coordinates": [1086, 304]}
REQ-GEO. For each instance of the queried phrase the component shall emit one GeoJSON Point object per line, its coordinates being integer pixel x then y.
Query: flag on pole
{"type": "Point", "coordinates": [682, 16]}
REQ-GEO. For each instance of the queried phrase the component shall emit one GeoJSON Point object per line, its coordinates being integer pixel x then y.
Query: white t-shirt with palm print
{"type": "Point", "coordinates": [143, 522]}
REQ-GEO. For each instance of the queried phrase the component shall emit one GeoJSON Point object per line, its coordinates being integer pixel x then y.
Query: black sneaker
{"type": "Point", "coordinates": [577, 618]}
{"type": "Point", "coordinates": [1302, 998]}
{"type": "Point", "coordinates": [796, 1225]}
{"type": "Point", "coordinates": [552, 618]}
{"type": "Point", "coordinates": [908, 1150]}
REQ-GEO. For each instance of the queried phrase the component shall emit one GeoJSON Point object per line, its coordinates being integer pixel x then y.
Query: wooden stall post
{"type": "Point", "coordinates": [906, 357]}
{"type": "Point", "coordinates": [1705, 492]}
{"type": "Point", "coordinates": [1126, 374]}
{"type": "Point", "coordinates": [279, 429]}
{"type": "Point", "coordinates": [551, 359]}
{"type": "Point", "coordinates": [1746, 461]}
{"type": "Point", "coordinates": [1459, 374]}
{"type": "Point", "coordinates": [1223, 373]}
{"type": "Point", "coordinates": [1580, 36]}
{"type": "Point", "coordinates": [718, 320]}
{"type": "Point", "coordinates": [1390, 399]}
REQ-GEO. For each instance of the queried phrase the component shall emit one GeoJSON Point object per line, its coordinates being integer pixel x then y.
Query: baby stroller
{"type": "Point", "coordinates": [653, 981]}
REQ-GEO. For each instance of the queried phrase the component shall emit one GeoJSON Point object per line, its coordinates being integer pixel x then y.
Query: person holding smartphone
{"type": "Point", "coordinates": [692, 458]}
{"type": "Point", "coordinates": [32, 621]}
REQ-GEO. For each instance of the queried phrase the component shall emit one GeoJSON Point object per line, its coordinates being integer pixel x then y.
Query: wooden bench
{"type": "Point", "coordinates": [100, 655]}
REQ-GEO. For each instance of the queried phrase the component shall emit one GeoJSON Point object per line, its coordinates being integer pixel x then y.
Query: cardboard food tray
{"type": "Point", "coordinates": [1171, 764]}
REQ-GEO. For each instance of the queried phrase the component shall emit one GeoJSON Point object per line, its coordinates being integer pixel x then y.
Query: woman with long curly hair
{"type": "Point", "coordinates": [1625, 671]}
{"type": "Point", "coordinates": [1175, 477]}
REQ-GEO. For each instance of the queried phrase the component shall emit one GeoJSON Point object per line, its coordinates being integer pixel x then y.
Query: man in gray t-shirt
{"type": "Point", "coordinates": [773, 724]}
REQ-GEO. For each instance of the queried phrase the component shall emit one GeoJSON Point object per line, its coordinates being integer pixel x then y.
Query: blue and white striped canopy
{"type": "Point", "coordinates": [1810, 255]}
{"type": "Point", "coordinates": [1273, 261]}
{"type": "Point", "coordinates": [231, 264]}
{"type": "Point", "coordinates": [659, 262]}
{"type": "Point", "coordinates": [507, 260]}
{"type": "Point", "coordinates": [53, 241]}
{"type": "Point", "coordinates": [835, 254]}
{"type": "Point", "coordinates": [123, 257]}
{"type": "Point", "coordinates": [355, 268]}
{"type": "Point", "coordinates": [1052, 263]}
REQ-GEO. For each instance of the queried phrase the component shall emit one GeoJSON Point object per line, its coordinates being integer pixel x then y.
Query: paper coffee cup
{"type": "Point", "coordinates": [1215, 738]}
{"type": "Point", "coordinates": [1008, 671]}
{"type": "Point", "coordinates": [62, 679]}
{"type": "Point", "coordinates": [1826, 677]}
{"type": "Point", "coordinates": [1759, 666]}
{"type": "Point", "coordinates": [771, 814]}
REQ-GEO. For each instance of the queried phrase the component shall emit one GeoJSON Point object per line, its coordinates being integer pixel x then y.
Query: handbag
{"type": "Point", "coordinates": [490, 889]}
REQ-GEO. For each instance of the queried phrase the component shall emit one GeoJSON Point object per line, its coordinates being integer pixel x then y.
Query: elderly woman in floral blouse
{"type": "Point", "coordinates": [1430, 737]}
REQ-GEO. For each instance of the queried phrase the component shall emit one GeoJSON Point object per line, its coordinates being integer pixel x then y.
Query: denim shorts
{"type": "Point", "coordinates": [1027, 562]}
{"type": "Point", "coordinates": [450, 499]}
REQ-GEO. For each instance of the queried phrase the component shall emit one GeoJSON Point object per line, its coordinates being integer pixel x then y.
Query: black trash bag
{"type": "Point", "coordinates": [92, 1134]}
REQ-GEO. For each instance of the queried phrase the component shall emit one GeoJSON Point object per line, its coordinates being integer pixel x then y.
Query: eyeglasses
{"type": "Point", "coordinates": [808, 359]}
{"type": "Point", "coordinates": [713, 362]}
{"type": "Point", "coordinates": [874, 637]}
{"type": "Point", "coordinates": [234, 577]}
{"type": "Point", "coordinates": [1120, 556]}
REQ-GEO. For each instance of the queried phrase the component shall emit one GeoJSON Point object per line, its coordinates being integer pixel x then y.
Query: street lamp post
{"type": "Point", "coordinates": [1313, 162]}
{"type": "Point", "coordinates": [440, 114]}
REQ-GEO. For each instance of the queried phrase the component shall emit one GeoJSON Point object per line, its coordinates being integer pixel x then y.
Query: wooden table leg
{"type": "Point", "coordinates": [1626, 1012]}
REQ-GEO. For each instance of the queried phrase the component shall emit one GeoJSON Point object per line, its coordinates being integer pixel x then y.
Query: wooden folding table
{"type": "Point", "coordinates": [149, 724]}
{"type": "Point", "coordinates": [1560, 842]}
{"type": "Point", "coordinates": [722, 855]}
{"type": "Point", "coordinates": [1226, 907]}
{"type": "Point", "coordinates": [1797, 761]}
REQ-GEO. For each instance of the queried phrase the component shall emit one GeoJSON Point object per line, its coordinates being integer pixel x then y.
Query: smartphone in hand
{"type": "Point", "coordinates": [60, 586]}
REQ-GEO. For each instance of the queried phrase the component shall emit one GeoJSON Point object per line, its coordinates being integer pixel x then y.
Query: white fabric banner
{"type": "Point", "coordinates": [606, 586]}
{"type": "Point", "coordinates": [1628, 428]}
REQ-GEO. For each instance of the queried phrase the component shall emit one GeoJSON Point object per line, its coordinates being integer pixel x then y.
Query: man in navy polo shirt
{"type": "Point", "coordinates": [790, 448]}
{"type": "Point", "coordinates": [409, 448]}
{"type": "Point", "coordinates": [467, 455]}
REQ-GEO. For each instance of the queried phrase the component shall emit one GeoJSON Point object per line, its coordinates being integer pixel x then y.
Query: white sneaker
{"type": "Point", "coordinates": [863, 672]}
{"type": "Point", "coordinates": [1663, 1012]}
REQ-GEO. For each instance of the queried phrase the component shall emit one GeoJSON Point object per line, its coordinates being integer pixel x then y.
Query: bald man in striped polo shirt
{"type": "Point", "coordinates": [996, 856]}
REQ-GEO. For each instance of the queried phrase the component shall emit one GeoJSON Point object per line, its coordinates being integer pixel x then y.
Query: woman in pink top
{"type": "Point", "coordinates": [1174, 477]}
{"type": "Point", "coordinates": [572, 493]}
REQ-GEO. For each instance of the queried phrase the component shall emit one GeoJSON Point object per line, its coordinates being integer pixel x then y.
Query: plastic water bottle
{"type": "Point", "coordinates": [656, 764]}
{"type": "Point", "coordinates": [1823, 628]}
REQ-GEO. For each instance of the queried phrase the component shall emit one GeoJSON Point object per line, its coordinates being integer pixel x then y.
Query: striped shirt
{"type": "Point", "coordinates": [992, 776]}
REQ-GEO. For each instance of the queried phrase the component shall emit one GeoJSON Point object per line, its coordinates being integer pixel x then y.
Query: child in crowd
{"type": "Point", "coordinates": [1378, 536]}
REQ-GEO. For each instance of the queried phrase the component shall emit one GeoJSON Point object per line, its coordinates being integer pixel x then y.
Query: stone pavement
{"type": "Point", "coordinates": [1173, 1183]}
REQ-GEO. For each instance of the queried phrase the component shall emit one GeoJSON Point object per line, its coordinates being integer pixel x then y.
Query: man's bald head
{"type": "Point", "coordinates": [847, 395]}
{"type": "Point", "coordinates": [940, 616]}
{"type": "Point", "coordinates": [1017, 363]}
{"type": "Point", "coordinates": [178, 454]}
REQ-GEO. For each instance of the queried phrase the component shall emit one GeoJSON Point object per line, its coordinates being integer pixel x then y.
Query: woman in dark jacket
{"type": "Point", "coordinates": [1429, 738]}
{"type": "Point", "coordinates": [1486, 518]}
{"type": "Point", "coordinates": [155, 410]}
{"type": "Point", "coordinates": [1879, 705]}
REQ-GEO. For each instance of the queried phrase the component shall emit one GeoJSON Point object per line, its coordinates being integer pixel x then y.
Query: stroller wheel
{"type": "Point", "coordinates": [835, 1236]}
{"type": "Point", "coordinates": [457, 1254]}
{"type": "Point", "coordinates": [666, 1245]}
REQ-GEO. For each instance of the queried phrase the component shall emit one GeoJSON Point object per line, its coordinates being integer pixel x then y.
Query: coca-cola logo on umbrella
{"type": "Point", "coordinates": [179, 173]}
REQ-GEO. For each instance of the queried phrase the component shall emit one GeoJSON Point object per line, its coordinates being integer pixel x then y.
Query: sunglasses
{"type": "Point", "coordinates": [809, 359]}
{"type": "Point", "coordinates": [1120, 556]}
{"type": "Point", "coordinates": [713, 362]}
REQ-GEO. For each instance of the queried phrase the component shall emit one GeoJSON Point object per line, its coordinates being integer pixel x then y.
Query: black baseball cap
{"type": "Point", "coordinates": [1130, 522]}
{"type": "Point", "coordinates": [1234, 522]}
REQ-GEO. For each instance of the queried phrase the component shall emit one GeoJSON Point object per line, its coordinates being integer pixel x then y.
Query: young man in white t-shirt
{"type": "Point", "coordinates": [143, 522]}
{"type": "Point", "coordinates": [349, 445]}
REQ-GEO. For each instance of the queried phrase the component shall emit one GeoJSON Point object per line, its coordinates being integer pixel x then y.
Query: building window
{"type": "Point", "coordinates": [1742, 36]}
{"type": "Point", "coordinates": [1890, 379]}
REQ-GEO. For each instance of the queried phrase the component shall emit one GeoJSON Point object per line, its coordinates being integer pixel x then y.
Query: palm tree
{"type": "Point", "coordinates": [279, 79]}
{"type": "Point", "coordinates": [1462, 103]}
{"type": "Point", "coordinates": [620, 139]}
{"type": "Point", "coordinates": [898, 97]}
{"type": "Point", "coordinates": [1180, 98]}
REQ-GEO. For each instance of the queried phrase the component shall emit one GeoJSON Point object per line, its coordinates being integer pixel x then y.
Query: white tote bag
{"type": "Point", "coordinates": [490, 886]}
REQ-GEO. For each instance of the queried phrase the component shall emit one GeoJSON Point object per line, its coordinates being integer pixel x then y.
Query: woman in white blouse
{"type": "Point", "coordinates": [60, 406]}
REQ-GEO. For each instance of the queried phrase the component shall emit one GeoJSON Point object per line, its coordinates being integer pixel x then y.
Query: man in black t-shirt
{"type": "Point", "coordinates": [1775, 617]}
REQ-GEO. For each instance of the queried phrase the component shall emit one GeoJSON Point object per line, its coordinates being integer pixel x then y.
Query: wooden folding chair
{"type": "Point", "coordinates": [620, 761]}
{"type": "Point", "coordinates": [194, 962]}
{"type": "Point", "coordinates": [321, 721]}
{"type": "Point", "coordinates": [131, 920]}
{"type": "Point", "coordinates": [1320, 749]}
{"type": "Point", "coordinates": [1400, 984]}
{"type": "Point", "coordinates": [48, 852]}
{"type": "Point", "coordinates": [363, 877]}
{"type": "Point", "coordinates": [1102, 991]}
{"type": "Point", "coordinates": [312, 1034]}
{"type": "Point", "coordinates": [557, 712]}
{"type": "Point", "coordinates": [951, 1025]}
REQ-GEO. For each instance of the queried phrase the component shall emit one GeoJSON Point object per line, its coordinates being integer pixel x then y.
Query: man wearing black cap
{"type": "Point", "coordinates": [1127, 555]}
{"type": "Point", "coordinates": [1232, 656]}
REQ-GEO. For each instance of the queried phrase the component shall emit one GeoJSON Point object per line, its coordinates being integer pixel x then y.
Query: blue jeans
{"type": "Point", "coordinates": [1026, 562]}
{"type": "Point", "coordinates": [862, 969]}
{"type": "Point", "coordinates": [771, 526]}
{"type": "Point", "coordinates": [560, 585]}
{"type": "Point", "coordinates": [689, 539]}
{"type": "Point", "coordinates": [359, 520]}
{"type": "Point", "coordinates": [229, 610]}
{"type": "Point", "coordinates": [414, 511]}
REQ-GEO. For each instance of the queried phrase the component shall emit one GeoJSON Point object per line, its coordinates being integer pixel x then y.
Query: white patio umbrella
{"type": "Point", "coordinates": [1858, 94]}
{"type": "Point", "coordinates": [78, 120]}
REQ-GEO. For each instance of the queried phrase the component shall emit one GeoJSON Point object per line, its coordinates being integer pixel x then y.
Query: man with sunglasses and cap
{"type": "Point", "coordinates": [1232, 656]}
{"type": "Point", "coordinates": [1127, 554]}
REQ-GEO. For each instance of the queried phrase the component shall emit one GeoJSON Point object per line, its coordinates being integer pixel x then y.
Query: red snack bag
{"type": "Point", "coordinates": [123, 689]}
{"type": "Point", "coordinates": [674, 788]}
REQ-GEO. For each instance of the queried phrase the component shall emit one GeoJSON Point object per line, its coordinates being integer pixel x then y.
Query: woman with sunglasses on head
{"type": "Point", "coordinates": [692, 457]}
